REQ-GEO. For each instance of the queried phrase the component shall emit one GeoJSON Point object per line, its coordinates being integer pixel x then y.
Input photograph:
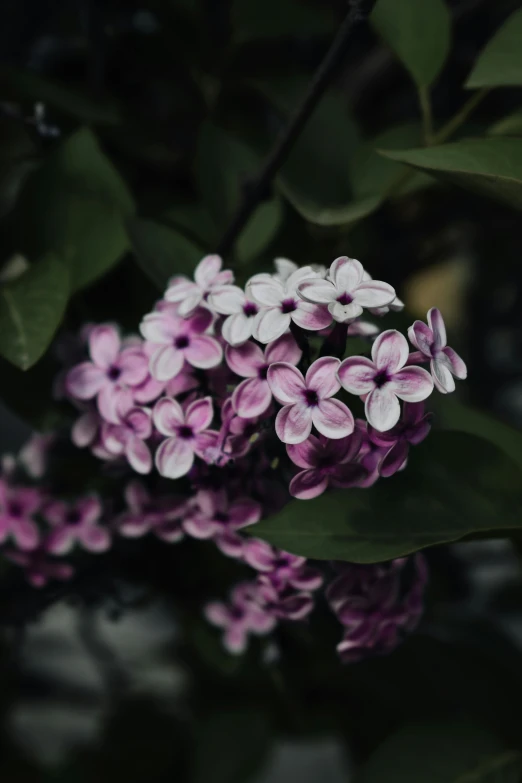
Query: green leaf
{"type": "Point", "coordinates": [17, 84]}
{"type": "Point", "coordinates": [161, 251]}
{"type": "Point", "coordinates": [419, 33]}
{"type": "Point", "coordinates": [455, 484]}
{"type": "Point", "coordinates": [503, 768]}
{"type": "Point", "coordinates": [31, 309]}
{"type": "Point", "coordinates": [491, 166]}
{"type": "Point", "coordinates": [76, 204]}
{"type": "Point", "coordinates": [500, 64]}
{"type": "Point", "coordinates": [224, 167]}
{"type": "Point", "coordinates": [508, 126]}
{"type": "Point", "coordinates": [438, 752]}
{"type": "Point", "coordinates": [258, 19]}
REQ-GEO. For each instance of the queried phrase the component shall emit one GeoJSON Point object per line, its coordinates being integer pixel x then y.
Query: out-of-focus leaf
{"type": "Point", "coordinates": [438, 752]}
{"type": "Point", "coordinates": [224, 168]}
{"type": "Point", "coordinates": [258, 19]}
{"type": "Point", "coordinates": [76, 204]}
{"type": "Point", "coordinates": [31, 309]}
{"type": "Point", "coordinates": [17, 160]}
{"type": "Point", "coordinates": [17, 84]}
{"type": "Point", "coordinates": [502, 768]}
{"type": "Point", "coordinates": [500, 63]}
{"type": "Point", "coordinates": [508, 126]}
{"type": "Point", "coordinates": [231, 745]}
{"type": "Point", "coordinates": [161, 251]}
{"type": "Point", "coordinates": [491, 166]}
{"type": "Point", "coordinates": [419, 33]}
{"type": "Point", "coordinates": [194, 219]}
{"type": "Point", "coordinates": [27, 393]}
{"type": "Point", "coordinates": [455, 485]}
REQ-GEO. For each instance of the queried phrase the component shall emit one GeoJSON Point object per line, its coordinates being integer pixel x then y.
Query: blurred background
{"type": "Point", "coordinates": [123, 680]}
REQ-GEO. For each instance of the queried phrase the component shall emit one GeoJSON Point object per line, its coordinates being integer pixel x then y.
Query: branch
{"type": "Point", "coordinates": [256, 193]}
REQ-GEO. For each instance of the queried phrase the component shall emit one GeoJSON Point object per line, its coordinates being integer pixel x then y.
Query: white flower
{"type": "Point", "coordinates": [241, 310]}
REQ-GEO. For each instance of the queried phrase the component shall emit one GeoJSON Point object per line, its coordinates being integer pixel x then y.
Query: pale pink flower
{"type": "Point", "coordinates": [187, 434]}
{"type": "Point", "coordinates": [214, 514]}
{"type": "Point", "coordinates": [110, 375]}
{"type": "Point", "coordinates": [253, 396]}
{"type": "Point", "coordinates": [396, 306]}
{"type": "Point", "coordinates": [284, 268]}
{"type": "Point", "coordinates": [86, 428]}
{"type": "Point", "coordinates": [281, 305]}
{"type": "Point", "coordinates": [412, 429]}
{"type": "Point", "coordinates": [179, 340]}
{"type": "Point", "coordinates": [385, 380]}
{"type": "Point", "coordinates": [34, 454]}
{"type": "Point", "coordinates": [242, 616]}
{"type": "Point", "coordinates": [325, 462]}
{"type": "Point", "coordinates": [346, 292]}
{"type": "Point", "coordinates": [76, 523]}
{"type": "Point", "coordinates": [158, 514]}
{"type": "Point", "coordinates": [207, 276]}
{"type": "Point", "coordinates": [241, 310]}
{"type": "Point", "coordinates": [18, 505]}
{"type": "Point", "coordinates": [283, 569]}
{"type": "Point", "coordinates": [432, 343]}
{"type": "Point", "coordinates": [307, 401]}
{"type": "Point", "coordinates": [127, 439]}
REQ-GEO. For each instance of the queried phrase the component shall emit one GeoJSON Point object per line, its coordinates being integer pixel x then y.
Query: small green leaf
{"type": "Point", "coordinates": [161, 251]}
{"type": "Point", "coordinates": [76, 204]}
{"type": "Point", "coordinates": [508, 126]}
{"type": "Point", "coordinates": [438, 752]}
{"type": "Point", "coordinates": [491, 166]}
{"type": "Point", "coordinates": [258, 19]}
{"type": "Point", "coordinates": [455, 485]}
{"type": "Point", "coordinates": [419, 33]}
{"type": "Point", "coordinates": [500, 63]}
{"type": "Point", "coordinates": [31, 309]}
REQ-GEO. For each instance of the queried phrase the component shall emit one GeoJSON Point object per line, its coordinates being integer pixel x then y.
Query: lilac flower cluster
{"type": "Point", "coordinates": [244, 396]}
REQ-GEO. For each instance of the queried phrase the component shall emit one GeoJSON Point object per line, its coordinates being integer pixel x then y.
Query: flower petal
{"type": "Point", "coordinates": [237, 329]}
{"type": "Point", "coordinates": [245, 359]}
{"type": "Point", "coordinates": [267, 290]}
{"type": "Point", "coordinates": [270, 324]}
{"type": "Point", "coordinates": [308, 484]}
{"type": "Point", "coordinates": [85, 429]}
{"type": "Point", "coordinates": [394, 459]}
{"type": "Point", "coordinates": [286, 383]}
{"type": "Point", "coordinates": [166, 363]}
{"type": "Point", "coordinates": [442, 376]}
{"type": "Point", "coordinates": [322, 377]}
{"type": "Point", "coordinates": [258, 554]}
{"type": "Point", "coordinates": [251, 398]}
{"type": "Point", "coordinates": [90, 509]}
{"type": "Point", "coordinates": [317, 290]}
{"type": "Point", "coordinates": [412, 384]}
{"type": "Point", "coordinates": [168, 416]}
{"type": "Point", "coordinates": [244, 512]}
{"type": "Point", "coordinates": [114, 402]}
{"type": "Point", "coordinates": [346, 273]}
{"type": "Point", "coordinates": [60, 541]}
{"type": "Point", "coordinates": [235, 639]}
{"type": "Point", "coordinates": [207, 269]}
{"type": "Point", "coordinates": [189, 304]}
{"type": "Point", "coordinates": [200, 320]}
{"type": "Point", "coordinates": [457, 365]}
{"type": "Point", "coordinates": [301, 274]}
{"type": "Point", "coordinates": [374, 293]}
{"type": "Point", "coordinates": [344, 313]}
{"type": "Point", "coordinates": [134, 366]}
{"type": "Point", "coordinates": [357, 374]}
{"type": "Point", "coordinates": [293, 423]}
{"type": "Point", "coordinates": [227, 299]}
{"type": "Point", "coordinates": [218, 614]}
{"type": "Point", "coordinates": [138, 455]}
{"type": "Point", "coordinates": [306, 454]}
{"type": "Point", "coordinates": [390, 351]}
{"type": "Point", "coordinates": [95, 539]}
{"type": "Point", "coordinates": [382, 408]}
{"type": "Point", "coordinates": [181, 289]}
{"type": "Point", "coordinates": [84, 381]}
{"type": "Point", "coordinates": [206, 447]}
{"type": "Point", "coordinates": [333, 419]}
{"type": "Point", "coordinates": [311, 316]}
{"type": "Point", "coordinates": [204, 352]}
{"type": "Point", "coordinates": [159, 327]}
{"type": "Point", "coordinates": [284, 268]}
{"type": "Point", "coordinates": [284, 349]}
{"type": "Point", "coordinates": [436, 322]}
{"type": "Point", "coordinates": [421, 337]}
{"type": "Point", "coordinates": [174, 458]}
{"type": "Point", "coordinates": [104, 345]}
{"type": "Point", "coordinates": [199, 414]}
{"type": "Point", "coordinates": [25, 533]}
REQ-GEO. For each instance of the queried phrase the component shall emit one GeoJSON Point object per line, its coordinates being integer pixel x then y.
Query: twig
{"type": "Point", "coordinates": [290, 133]}
{"type": "Point", "coordinates": [427, 119]}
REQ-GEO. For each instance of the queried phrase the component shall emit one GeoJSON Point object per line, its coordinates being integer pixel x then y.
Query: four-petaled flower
{"type": "Point", "coordinates": [214, 514]}
{"type": "Point", "coordinates": [242, 616]}
{"type": "Point", "coordinates": [385, 379]}
{"type": "Point", "coordinates": [207, 275]}
{"type": "Point", "coordinates": [307, 401]}
{"type": "Point", "coordinates": [127, 438]}
{"type": "Point", "coordinates": [160, 515]}
{"type": "Point", "coordinates": [241, 310]}
{"type": "Point", "coordinates": [110, 375]}
{"type": "Point", "coordinates": [17, 507]}
{"type": "Point", "coordinates": [187, 432]}
{"type": "Point", "coordinates": [76, 523]}
{"type": "Point", "coordinates": [431, 342]}
{"type": "Point", "coordinates": [281, 304]}
{"type": "Point", "coordinates": [180, 340]}
{"type": "Point", "coordinates": [346, 292]}
{"type": "Point", "coordinates": [253, 396]}
{"type": "Point", "coordinates": [325, 462]}
{"type": "Point", "coordinates": [282, 568]}
{"type": "Point", "coordinates": [412, 428]}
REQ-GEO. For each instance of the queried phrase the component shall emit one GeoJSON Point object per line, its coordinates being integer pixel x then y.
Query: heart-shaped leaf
{"type": "Point", "coordinates": [500, 64]}
{"type": "Point", "coordinates": [161, 251]}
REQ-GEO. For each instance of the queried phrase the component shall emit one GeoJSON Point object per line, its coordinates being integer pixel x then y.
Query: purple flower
{"type": "Point", "coordinates": [346, 292]}
{"type": "Point", "coordinates": [86, 429]}
{"type": "Point", "coordinates": [396, 306]}
{"type": "Point", "coordinates": [286, 604]}
{"type": "Point", "coordinates": [39, 567]}
{"type": "Point", "coordinates": [253, 396]}
{"type": "Point", "coordinates": [445, 363]}
{"type": "Point", "coordinates": [179, 340]}
{"type": "Point", "coordinates": [241, 310]}
{"type": "Point", "coordinates": [160, 515]}
{"type": "Point", "coordinates": [207, 276]}
{"type": "Point", "coordinates": [34, 454]}
{"type": "Point", "coordinates": [17, 508]}
{"type": "Point", "coordinates": [325, 462]}
{"type": "Point", "coordinates": [385, 379]}
{"type": "Point", "coordinates": [187, 434]}
{"type": "Point", "coordinates": [127, 438]}
{"type": "Point", "coordinates": [307, 401]}
{"type": "Point", "coordinates": [76, 523]}
{"type": "Point", "coordinates": [412, 428]}
{"type": "Point", "coordinates": [242, 616]}
{"type": "Point", "coordinates": [283, 569]}
{"type": "Point", "coordinates": [214, 514]}
{"type": "Point", "coordinates": [281, 305]}
{"type": "Point", "coordinates": [110, 375]}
